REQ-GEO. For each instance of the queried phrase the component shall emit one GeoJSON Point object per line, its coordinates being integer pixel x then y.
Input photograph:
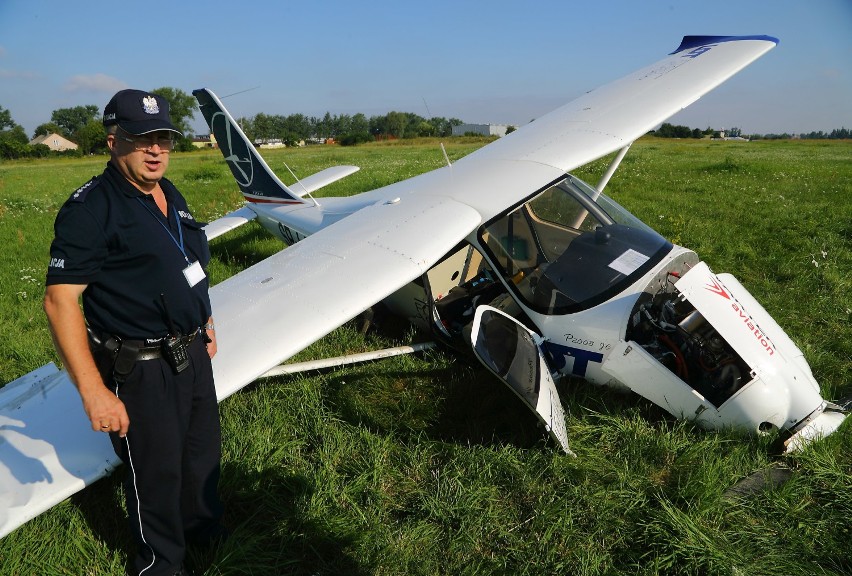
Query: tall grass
{"type": "Point", "coordinates": [426, 465]}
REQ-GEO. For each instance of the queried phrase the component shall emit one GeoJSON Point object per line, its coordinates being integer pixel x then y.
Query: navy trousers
{"type": "Point", "coordinates": [172, 454]}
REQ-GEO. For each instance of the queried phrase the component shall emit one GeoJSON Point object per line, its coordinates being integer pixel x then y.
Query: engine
{"type": "Point", "coordinates": [678, 336]}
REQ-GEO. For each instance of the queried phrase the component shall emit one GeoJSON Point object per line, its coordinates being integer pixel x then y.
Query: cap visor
{"type": "Point", "coordinates": [147, 126]}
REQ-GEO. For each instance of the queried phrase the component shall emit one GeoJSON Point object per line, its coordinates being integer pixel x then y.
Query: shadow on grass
{"type": "Point", "coordinates": [102, 506]}
{"type": "Point", "coordinates": [267, 533]}
{"type": "Point", "coordinates": [460, 404]}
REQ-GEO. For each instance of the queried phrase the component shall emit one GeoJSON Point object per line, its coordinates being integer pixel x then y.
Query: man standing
{"type": "Point", "coordinates": [139, 351]}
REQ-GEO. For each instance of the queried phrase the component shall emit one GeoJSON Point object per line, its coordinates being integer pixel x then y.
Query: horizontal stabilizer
{"type": "Point", "coordinates": [323, 178]}
{"type": "Point", "coordinates": [229, 222]}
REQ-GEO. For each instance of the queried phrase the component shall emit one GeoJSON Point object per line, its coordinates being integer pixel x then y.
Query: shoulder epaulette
{"type": "Point", "coordinates": [80, 193]}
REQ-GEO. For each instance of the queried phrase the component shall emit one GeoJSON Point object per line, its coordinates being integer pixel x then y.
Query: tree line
{"type": "Point", "coordinates": [82, 125]}
{"type": "Point", "coordinates": [344, 128]}
{"type": "Point", "coordinates": [672, 131]}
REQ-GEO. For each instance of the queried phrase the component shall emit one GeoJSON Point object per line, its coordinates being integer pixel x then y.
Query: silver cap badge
{"type": "Point", "coordinates": [149, 103]}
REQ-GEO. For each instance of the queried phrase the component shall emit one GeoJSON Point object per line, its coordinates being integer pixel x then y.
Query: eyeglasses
{"type": "Point", "coordinates": [146, 144]}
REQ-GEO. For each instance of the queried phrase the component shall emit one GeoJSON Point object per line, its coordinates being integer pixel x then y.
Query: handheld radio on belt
{"type": "Point", "coordinates": [174, 346]}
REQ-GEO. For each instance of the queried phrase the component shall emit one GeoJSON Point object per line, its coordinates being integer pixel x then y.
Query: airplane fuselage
{"type": "Point", "coordinates": [651, 329]}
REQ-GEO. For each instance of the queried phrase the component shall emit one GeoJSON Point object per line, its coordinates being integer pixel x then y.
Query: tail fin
{"type": "Point", "coordinates": [256, 180]}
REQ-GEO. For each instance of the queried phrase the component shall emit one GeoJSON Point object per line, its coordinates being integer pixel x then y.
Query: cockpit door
{"type": "Point", "coordinates": [512, 353]}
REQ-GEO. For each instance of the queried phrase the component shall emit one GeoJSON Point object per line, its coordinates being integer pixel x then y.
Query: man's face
{"type": "Point", "coordinates": [141, 159]}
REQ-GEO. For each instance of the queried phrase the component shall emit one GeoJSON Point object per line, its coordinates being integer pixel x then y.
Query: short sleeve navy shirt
{"type": "Point", "coordinates": [113, 238]}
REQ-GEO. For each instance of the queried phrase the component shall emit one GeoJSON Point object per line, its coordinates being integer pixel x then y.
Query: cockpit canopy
{"type": "Point", "coordinates": [570, 248]}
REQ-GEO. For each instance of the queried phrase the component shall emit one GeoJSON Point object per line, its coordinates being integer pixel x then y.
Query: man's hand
{"type": "Point", "coordinates": [105, 411]}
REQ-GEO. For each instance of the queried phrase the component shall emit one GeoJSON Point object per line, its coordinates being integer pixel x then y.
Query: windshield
{"type": "Point", "coordinates": [564, 252]}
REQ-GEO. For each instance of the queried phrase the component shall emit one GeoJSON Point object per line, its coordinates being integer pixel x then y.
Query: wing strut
{"type": "Point", "coordinates": [297, 367]}
{"type": "Point", "coordinates": [611, 170]}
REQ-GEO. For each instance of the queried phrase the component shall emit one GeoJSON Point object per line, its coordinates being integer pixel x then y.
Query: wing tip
{"type": "Point", "coordinates": [691, 42]}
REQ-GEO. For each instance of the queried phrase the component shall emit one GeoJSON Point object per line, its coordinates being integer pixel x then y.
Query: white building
{"type": "Point", "coordinates": [55, 142]}
{"type": "Point", "coordinates": [482, 129]}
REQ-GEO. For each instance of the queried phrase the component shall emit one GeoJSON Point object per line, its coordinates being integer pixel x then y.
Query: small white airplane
{"type": "Point", "coordinates": [503, 253]}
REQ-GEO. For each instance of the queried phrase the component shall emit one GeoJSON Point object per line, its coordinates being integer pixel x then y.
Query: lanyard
{"type": "Point", "coordinates": [177, 243]}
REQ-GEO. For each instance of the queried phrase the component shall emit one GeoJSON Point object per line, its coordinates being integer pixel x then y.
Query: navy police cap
{"type": "Point", "coordinates": [139, 112]}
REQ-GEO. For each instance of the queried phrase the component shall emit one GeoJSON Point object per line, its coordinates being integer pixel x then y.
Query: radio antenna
{"type": "Point", "coordinates": [443, 150]}
{"type": "Point", "coordinates": [447, 158]}
{"type": "Point", "coordinates": [240, 92]}
{"type": "Point", "coordinates": [299, 182]}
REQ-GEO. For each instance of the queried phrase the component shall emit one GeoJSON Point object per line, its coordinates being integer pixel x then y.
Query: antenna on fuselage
{"type": "Point", "coordinates": [447, 158]}
{"type": "Point", "coordinates": [443, 150]}
{"type": "Point", "coordinates": [240, 92]}
{"type": "Point", "coordinates": [299, 182]}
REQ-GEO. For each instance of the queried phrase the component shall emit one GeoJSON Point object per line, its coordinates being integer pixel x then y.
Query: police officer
{"type": "Point", "coordinates": [139, 351]}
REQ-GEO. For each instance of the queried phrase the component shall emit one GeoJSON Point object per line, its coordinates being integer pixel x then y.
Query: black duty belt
{"type": "Point", "coordinates": [148, 349]}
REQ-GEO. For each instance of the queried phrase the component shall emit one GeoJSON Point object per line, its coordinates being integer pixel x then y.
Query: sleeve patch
{"type": "Point", "coordinates": [80, 193]}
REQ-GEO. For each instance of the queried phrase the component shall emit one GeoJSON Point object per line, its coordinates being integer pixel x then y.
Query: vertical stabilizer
{"type": "Point", "coordinates": [256, 180]}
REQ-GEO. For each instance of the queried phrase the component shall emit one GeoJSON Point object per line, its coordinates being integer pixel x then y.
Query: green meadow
{"type": "Point", "coordinates": [425, 464]}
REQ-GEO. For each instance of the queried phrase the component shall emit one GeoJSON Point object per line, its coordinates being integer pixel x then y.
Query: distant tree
{"type": "Point", "coordinates": [6, 119]}
{"type": "Point", "coordinates": [182, 108]}
{"type": "Point", "coordinates": [424, 128]}
{"type": "Point", "coordinates": [13, 140]}
{"type": "Point", "coordinates": [671, 131]}
{"type": "Point", "coordinates": [247, 126]}
{"type": "Point", "coordinates": [14, 143]}
{"type": "Point", "coordinates": [358, 131]}
{"type": "Point", "coordinates": [665, 131]}
{"type": "Point", "coordinates": [841, 133]}
{"type": "Point", "coordinates": [413, 123]}
{"type": "Point", "coordinates": [360, 124]}
{"type": "Point", "coordinates": [261, 126]}
{"type": "Point", "coordinates": [444, 126]}
{"type": "Point", "coordinates": [47, 128]}
{"type": "Point", "coordinates": [396, 123]}
{"type": "Point", "coordinates": [379, 125]}
{"type": "Point", "coordinates": [297, 127]}
{"type": "Point", "coordinates": [510, 129]}
{"type": "Point", "coordinates": [72, 119]}
{"type": "Point", "coordinates": [325, 127]}
{"type": "Point", "coordinates": [91, 138]}
{"type": "Point", "coordinates": [40, 151]}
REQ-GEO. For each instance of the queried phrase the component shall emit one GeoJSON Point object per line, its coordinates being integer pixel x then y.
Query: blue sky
{"type": "Point", "coordinates": [504, 62]}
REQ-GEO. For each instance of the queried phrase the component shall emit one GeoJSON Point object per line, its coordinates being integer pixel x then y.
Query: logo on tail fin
{"type": "Point", "coordinates": [242, 168]}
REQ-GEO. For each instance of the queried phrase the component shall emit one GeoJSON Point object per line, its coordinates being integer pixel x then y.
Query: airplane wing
{"type": "Point", "coordinates": [614, 115]}
{"type": "Point", "coordinates": [269, 312]}
{"type": "Point", "coordinates": [48, 450]}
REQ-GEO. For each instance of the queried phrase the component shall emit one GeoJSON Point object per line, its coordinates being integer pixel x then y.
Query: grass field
{"type": "Point", "coordinates": [425, 464]}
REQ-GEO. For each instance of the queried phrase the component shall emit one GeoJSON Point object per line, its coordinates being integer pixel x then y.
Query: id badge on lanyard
{"type": "Point", "coordinates": [194, 274]}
